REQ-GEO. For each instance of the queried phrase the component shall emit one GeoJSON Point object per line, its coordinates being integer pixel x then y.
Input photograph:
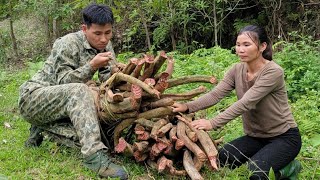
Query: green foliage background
{"type": "Point", "coordinates": [171, 25]}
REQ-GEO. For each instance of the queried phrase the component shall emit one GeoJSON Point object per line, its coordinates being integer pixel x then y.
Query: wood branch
{"type": "Point", "coordinates": [157, 125]}
{"type": "Point", "coordinates": [175, 172]}
{"type": "Point", "coordinates": [171, 151]}
{"type": "Point", "coordinates": [119, 128]}
{"type": "Point", "coordinates": [134, 96]}
{"type": "Point", "coordinates": [161, 86]}
{"type": "Point", "coordinates": [118, 77]}
{"type": "Point", "coordinates": [164, 129]}
{"type": "Point", "coordinates": [155, 152]}
{"type": "Point", "coordinates": [197, 163]}
{"type": "Point", "coordinates": [159, 103]}
{"type": "Point", "coordinates": [141, 146]}
{"type": "Point", "coordinates": [161, 146]}
{"type": "Point", "coordinates": [139, 129]}
{"type": "Point", "coordinates": [181, 132]}
{"type": "Point", "coordinates": [173, 134]}
{"type": "Point", "coordinates": [150, 81]}
{"type": "Point", "coordinates": [148, 67]}
{"type": "Point", "coordinates": [190, 167]}
{"type": "Point", "coordinates": [140, 156]}
{"type": "Point", "coordinates": [159, 60]}
{"type": "Point", "coordinates": [191, 135]}
{"type": "Point", "coordinates": [166, 164]}
{"type": "Point", "coordinates": [120, 66]}
{"type": "Point", "coordinates": [127, 105]}
{"type": "Point", "coordinates": [205, 141]}
{"type": "Point", "coordinates": [186, 95]}
{"type": "Point", "coordinates": [137, 70]}
{"type": "Point", "coordinates": [123, 87]}
{"type": "Point", "coordinates": [113, 97]}
{"type": "Point", "coordinates": [170, 66]}
{"type": "Point", "coordinates": [191, 79]}
{"type": "Point", "coordinates": [179, 144]}
{"type": "Point", "coordinates": [144, 96]}
{"type": "Point", "coordinates": [144, 136]}
{"type": "Point", "coordinates": [168, 72]}
{"type": "Point", "coordinates": [130, 66]}
{"type": "Point", "coordinates": [164, 140]}
{"type": "Point", "coordinates": [162, 163]}
{"type": "Point", "coordinates": [136, 92]}
{"type": "Point", "coordinates": [162, 79]}
{"type": "Point", "coordinates": [124, 148]}
{"type": "Point", "coordinates": [156, 113]}
{"type": "Point", "coordinates": [145, 123]}
{"type": "Point", "coordinates": [209, 148]}
{"type": "Point", "coordinates": [126, 115]}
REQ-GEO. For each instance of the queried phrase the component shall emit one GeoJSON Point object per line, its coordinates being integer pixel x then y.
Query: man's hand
{"type": "Point", "coordinates": [202, 124]}
{"type": "Point", "coordinates": [101, 60]}
{"type": "Point", "coordinates": [177, 107]}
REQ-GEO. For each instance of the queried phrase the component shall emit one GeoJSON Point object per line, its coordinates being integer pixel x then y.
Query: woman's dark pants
{"type": "Point", "coordinates": [262, 153]}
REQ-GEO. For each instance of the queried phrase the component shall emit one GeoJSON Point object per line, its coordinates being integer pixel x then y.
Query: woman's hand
{"type": "Point", "coordinates": [177, 107]}
{"type": "Point", "coordinates": [202, 124]}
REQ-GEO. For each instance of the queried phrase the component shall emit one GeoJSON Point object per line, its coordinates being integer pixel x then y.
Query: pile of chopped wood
{"type": "Point", "coordinates": [135, 96]}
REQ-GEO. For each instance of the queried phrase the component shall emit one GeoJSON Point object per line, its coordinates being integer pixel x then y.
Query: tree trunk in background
{"type": "Point", "coordinates": [12, 36]}
{"type": "Point", "coordinates": [173, 40]}
{"type": "Point", "coordinates": [55, 30]}
{"type": "Point", "coordinates": [185, 37]}
{"type": "Point", "coordinates": [47, 29]}
{"type": "Point", "coordinates": [13, 39]}
{"type": "Point", "coordinates": [172, 32]}
{"type": "Point", "coordinates": [144, 22]}
{"type": "Point", "coordinates": [215, 24]}
{"type": "Point", "coordinates": [55, 21]}
{"type": "Point", "coordinates": [147, 32]}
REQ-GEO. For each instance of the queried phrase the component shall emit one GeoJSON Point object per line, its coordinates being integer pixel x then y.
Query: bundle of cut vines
{"type": "Point", "coordinates": [135, 96]}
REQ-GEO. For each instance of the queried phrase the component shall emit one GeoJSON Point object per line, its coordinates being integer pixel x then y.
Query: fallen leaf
{"type": "Point", "coordinates": [7, 125]}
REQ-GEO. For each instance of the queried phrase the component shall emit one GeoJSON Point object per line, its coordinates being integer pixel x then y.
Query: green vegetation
{"type": "Point", "coordinates": [144, 25]}
{"type": "Point", "coordinates": [50, 161]}
{"type": "Point", "coordinates": [186, 29]}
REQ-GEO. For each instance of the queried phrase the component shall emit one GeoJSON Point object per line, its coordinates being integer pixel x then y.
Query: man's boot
{"type": "Point", "coordinates": [35, 137]}
{"type": "Point", "coordinates": [100, 163]}
{"type": "Point", "coordinates": [291, 170]}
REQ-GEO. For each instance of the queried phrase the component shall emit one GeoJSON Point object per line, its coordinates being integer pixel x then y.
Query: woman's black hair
{"type": "Point", "coordinates": [97, 14]}
{"type": "Point", "coordinates": [259, 35]}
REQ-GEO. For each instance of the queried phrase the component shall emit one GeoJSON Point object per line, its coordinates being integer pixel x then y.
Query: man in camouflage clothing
{"type": "Point", "coordinates": [58, 91]}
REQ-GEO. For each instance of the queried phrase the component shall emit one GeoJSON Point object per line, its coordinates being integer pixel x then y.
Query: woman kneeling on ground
{"type": "Point", "coordinates": [272, 138]}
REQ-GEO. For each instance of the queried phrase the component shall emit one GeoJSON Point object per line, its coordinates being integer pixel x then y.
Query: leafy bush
{"type": "Point", "coordinates": [4, 45]}
{"type": "Point", "coordinates": [306, 111]}
{"type": "Point", "coordinates": [301, 62]}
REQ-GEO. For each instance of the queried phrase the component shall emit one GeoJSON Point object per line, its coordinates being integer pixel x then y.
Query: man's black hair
{"type": "Point", "coordinates": [97, 14]}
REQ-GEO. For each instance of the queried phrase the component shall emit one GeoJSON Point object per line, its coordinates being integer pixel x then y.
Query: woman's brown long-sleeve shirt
{"type": "Point", "coordinates": [262, 102]}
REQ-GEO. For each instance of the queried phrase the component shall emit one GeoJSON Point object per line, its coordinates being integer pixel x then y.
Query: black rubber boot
{"type": "Point", "coordinates": [35, 138]}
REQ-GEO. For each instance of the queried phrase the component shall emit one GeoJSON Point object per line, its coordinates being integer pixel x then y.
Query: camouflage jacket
{"type": "Point", "coordinates": [68, 63]}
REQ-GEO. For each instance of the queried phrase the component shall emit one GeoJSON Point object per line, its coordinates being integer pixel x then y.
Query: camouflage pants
{"type": "Point", "coordinates": [47, 105]}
